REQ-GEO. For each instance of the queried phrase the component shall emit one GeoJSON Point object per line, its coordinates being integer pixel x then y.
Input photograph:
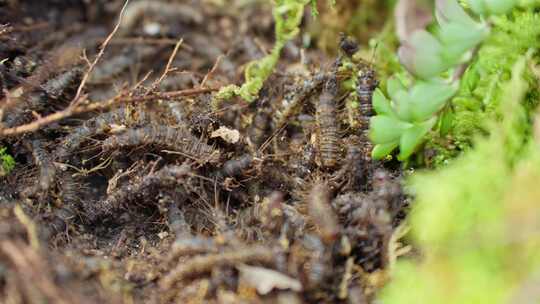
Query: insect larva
{"type": "Point", "coordinates": [318, 260]}
{"type": "Point", "coordinates": [176, 139]}
{"type": "Point", "coordinates": [204, 264]}
{"type": "Point", "coordinates": [327, 125]}
{"type": "Point", "coordinates": [128, 116]}
{"type": "Point", "coordinates": [136, 10]}
{"type": "Point", "coordinates": [388, 191]}
{"type": "Point", "coordinates": [72, 192]}
{"type": "Point", "coordinates": [176, 220]}
{"type": "Point", "coordinates": [192, 245]}
{"type": "Point", "coordinates": [348, 45]}
{"type": "Point", "coordinates": [47, 170]}
{"type": "Point", "coordinates": [368, 227]}
{"type": "Point", "coordinates": [237, 166]}
{"type": "Point", "coordinates": [352, 173]}
{"type": "Point", "coordinates": [366, 85]}
{"type": "Point", "coordinates": [297, 101]}
{"type": "Point", "coordinates": [59, 222]}
{"type": "Point", "coordinates": [140, 190]}
{"type": "Point", "coordinates": [60, 83]}
{"type": "Point", "coordinates": [321, 213]}
{"type": "Point", "coordinates": [114, 66]}
{"type": "Point", "coordinates": [267, 214]}
{"type": "Point", "coordinates": [39, 99]}
{"type": "Point", "coordinates": [259, 128]}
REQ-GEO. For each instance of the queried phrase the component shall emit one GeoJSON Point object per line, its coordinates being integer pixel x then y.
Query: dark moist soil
{"type": "Point", "coordinates": [171, 197]}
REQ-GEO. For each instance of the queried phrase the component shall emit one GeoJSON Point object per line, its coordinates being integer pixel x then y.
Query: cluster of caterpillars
{"type": "Point", "coordinates": [298, 194]}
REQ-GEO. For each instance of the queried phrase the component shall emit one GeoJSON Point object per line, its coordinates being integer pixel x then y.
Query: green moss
{"type": "Point", "coordinates": [475, 220]}
{"type": "Point", "coordinates": [479, 98]}
{"type": "Point", "coordinates": [7, 163]}
{"type": "Point", "coordinates": [287, 16]}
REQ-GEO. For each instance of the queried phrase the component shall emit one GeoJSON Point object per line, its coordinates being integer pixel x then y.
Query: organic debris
{"type": "Point", "coordinates": [132, 184]}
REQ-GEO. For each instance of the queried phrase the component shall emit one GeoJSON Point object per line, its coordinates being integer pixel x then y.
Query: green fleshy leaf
{"type": "Point", "coordinates": [427, 98]}
{"type": "Point", "coordinates": [450, 11]}
{"type": "Point", "coordinates": [491, 7]}
{"type": "Point", "coordinates": [404, 105]}
{"type": "Point", "coordinates": [394, 85]}
{"type": "Point", "coordinates": [421, 55]}
{"type": "Point", "coordinates": [384, 129]}
{"type": "Point", "coordinates": [382, 150]}
{"type": "Point", "coordinates": [471, 77]}
{"type": "Point", "coordinates": [381, 104]}
{"type": "Point", "coordinates": [413, 137]}
{"type": "Point", "coordinates": [459, 38]}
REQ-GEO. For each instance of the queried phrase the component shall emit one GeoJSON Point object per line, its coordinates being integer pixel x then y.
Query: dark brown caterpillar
{"type": "Point", "coordinates": [129, 116]}
{"type": "Point", "coordinates": [72, 193]}
{"type": "Point", "coordinates": [267, 215]}
{"type": "Point", "coordinates": [368, 226]}
{"type": "Point", "coordinates": [295, 103]}
{"type": "Point", "coordinates": [204, 264]}
{"type": "Point", "coordinates": [39, 98]}
{"type": "Point", "coordinates": [352, 174]}
{"type": "Point", "coordinates": [321, 212]}
{"type": "Point", "coordinates": [348, 45]}
{"type": "Point", "coordinates": [260, 125]}
{"type": "Point", "coordinates": [138, 190]}
{"type": "Point", "coordinates": [114, 66]}
{"type": "Point", "coordinates": [327, 125]}
{"type": "Point", "coordinates": [192, 245]}
{"type": "Point", "coordinates": [176, 220]}
{"type": "Point", "coordinates": [47, 170]}
{"type": "Point", "coordinates": [237, 166]}
{"type": "Point", "coordinates": [176, 139]}
{"type": "Point", "coordinates": [56, 86]}
{"type": "Point", "coordinates": [366, 85]}
{"type": "Point", "coordinates": [137, 10]}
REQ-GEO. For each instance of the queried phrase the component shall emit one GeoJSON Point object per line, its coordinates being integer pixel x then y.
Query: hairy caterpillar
{"type": "Point", "coordinates": [327, 125]}
{"type": "Point", "coordinates": [177, 139]}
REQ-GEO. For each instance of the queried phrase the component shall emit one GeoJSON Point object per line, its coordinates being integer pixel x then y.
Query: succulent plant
{"type": "Point", "coordinates": [405, 119]}
{"type": "Point", "coordinates": [413, 110]}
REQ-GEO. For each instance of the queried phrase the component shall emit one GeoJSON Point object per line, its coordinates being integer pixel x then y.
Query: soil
{"type": "Point", "coordinates": [133, 185]}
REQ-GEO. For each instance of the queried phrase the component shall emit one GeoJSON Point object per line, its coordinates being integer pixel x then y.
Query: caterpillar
{"type": "Point", "coordinates": [327, 125]}
{"type": "Point", "coordinates": [204, 264]}
{"type": "Point", "coordinates": [259, 128]}
{"type": "Point", "coordinates": [128, 116]}
{"type": "Point", "coordinates": [137, 189]}
{"type": "Point", "coordinates": [321, 212]}
{"type": "Point", "coordinates": [38, 98]}
{"type": "Point", "coordinates": [47, 170]}
{"type": "Point", "coordinates": [297, 100]}
{"type": "Point", "coordinates": [237, 166]}
{"type": "Point", "coordinates": [352, 173]}
{"type": "Point", "coordinates": [366, 85]}
{"type": "Point", "coordinates": [177, 139]}
{"type": "Point", "coordinates": [115, 65]}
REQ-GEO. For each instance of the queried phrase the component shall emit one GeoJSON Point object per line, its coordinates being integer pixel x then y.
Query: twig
{"type": "Point", "coordinates": [98, 57]}
{"type": "Point", "coordinates": [121, 98]}
{"type": "Point", "coordinates": [212, 71]}
{"type": "Point", "coordinates": [169, 63]}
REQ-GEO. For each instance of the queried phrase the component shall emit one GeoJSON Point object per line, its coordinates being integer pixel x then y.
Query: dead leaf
{"type": "Point", "coordinates": [231, 136]}
{"type": "Point", "coordinates": [265, 280]}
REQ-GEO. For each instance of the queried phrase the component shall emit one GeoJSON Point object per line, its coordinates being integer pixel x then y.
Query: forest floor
{"type": "Point", "coordinates": [132, 185]}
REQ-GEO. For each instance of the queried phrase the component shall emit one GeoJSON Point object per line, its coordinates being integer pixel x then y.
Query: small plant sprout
{"type": "Point", "coordinates": [287, 16]}
{"type": "Point", "coordinates": [412, 111]}
{"type": "Point", "coordinates": [7, 163]}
